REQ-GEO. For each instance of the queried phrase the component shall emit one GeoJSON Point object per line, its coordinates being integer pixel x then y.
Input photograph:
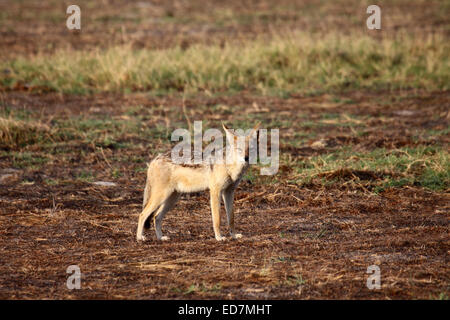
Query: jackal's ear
{"type": "Point", "coordinates": [229, 133]}
{"type": "Point", "coordinates": [225, 127]}
{"type": "Point", "coordinates": [255, 129]}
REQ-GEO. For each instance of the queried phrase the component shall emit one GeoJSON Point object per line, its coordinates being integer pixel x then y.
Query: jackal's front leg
{"type": "Point", "coordinates": [215, 211]}
{"type": "Point", "coordinates": [228, 197]}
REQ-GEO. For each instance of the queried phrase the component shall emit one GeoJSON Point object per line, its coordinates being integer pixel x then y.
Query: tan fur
{"type": "Point", "coordinates": [166, 181]}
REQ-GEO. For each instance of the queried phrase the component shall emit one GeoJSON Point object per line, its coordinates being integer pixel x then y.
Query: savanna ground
{"type": "Point", "coordinates": [364, 136]}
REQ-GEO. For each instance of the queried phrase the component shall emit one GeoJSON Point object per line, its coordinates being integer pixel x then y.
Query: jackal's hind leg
{"type": "Point", "coordinates": [155, 201]}
{"type": "Point", "coordinates": [145, 201]}
{"type": "Point", "coordinates": [159, 216]}
{"type": "Point", "coordinates": [150, 208]}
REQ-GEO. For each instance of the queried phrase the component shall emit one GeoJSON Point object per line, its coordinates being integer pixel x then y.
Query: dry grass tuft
{"type": "Point", "coordinates": [15, 132]}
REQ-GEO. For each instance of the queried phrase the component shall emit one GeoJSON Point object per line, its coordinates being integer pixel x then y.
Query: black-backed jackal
{"type": "Point", "coordinates": [167, 180]}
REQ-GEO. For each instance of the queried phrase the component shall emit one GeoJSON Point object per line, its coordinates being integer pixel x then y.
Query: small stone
{"type": "Point", "coordinates": [104, 183]}
{"type": "Point", "coordinates": [254, 290]}
{"type": "Point", "coordinates": [9, 175]}
{"type": "Point", "coordinates": [10, 170]}
{"type": "Point", "coordinates": [405, 113]}
{"type": "Point", "coordinates": [9, 178]}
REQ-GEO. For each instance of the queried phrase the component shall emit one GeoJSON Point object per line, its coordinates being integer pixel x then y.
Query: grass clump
{"type": "Point", "coordinates": [15, 132]}
{"type": "Point", "coordinates": [20, 130]}
{"type": "Point", "coordinates": [299, 62]}
{"type": "Point", "coordinates": [428, 167]}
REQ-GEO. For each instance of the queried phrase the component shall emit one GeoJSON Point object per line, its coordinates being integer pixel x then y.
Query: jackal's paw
{"type": "Point", "coordinates": [236, 236]}
{"type": "Point", "coordinates": [164, 238]}
{"type": "Point", "coordinates": [220, 238]}
{"type": "Point", "coordinates": [140, 238]}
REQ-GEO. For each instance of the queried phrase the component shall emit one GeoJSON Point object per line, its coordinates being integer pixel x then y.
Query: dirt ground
{"type": "Point", "coordinates": [310, 242]}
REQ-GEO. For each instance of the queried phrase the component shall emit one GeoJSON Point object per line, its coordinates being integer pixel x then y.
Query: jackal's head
{"type": "Point", "coordinates": [239, 144]}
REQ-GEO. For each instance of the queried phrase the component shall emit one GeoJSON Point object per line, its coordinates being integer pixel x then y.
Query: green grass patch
{"type": "Point", "coordinates": [85, 176]}
{"type": "Point", "coordinates": [296, 280]}
{"type": "Point", "coordinates": [203, 288]}
{"type": "Point", "coordinates": [428, 167]}
{"type": "Point", "coordinates": [28, 160]}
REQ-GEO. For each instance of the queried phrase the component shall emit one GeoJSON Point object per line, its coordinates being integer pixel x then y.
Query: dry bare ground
{"type": "Point", "coordinates": [310, 232]}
